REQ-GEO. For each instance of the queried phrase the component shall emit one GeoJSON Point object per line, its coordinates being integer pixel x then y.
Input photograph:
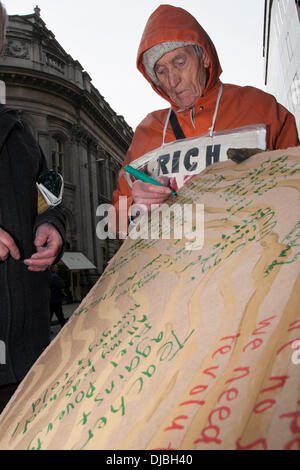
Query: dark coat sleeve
{"type": "Point", "coordinates": [53, 215]}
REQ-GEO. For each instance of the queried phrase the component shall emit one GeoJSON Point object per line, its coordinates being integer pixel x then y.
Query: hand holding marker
{"type": "Point", "coordinates": [143, 177]}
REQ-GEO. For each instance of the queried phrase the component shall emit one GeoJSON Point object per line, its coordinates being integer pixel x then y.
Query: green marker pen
{"type": "Point", "coordinates": [143, 177]}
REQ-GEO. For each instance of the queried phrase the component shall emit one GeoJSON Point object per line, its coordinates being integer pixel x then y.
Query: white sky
{"type": "Point", "coordinates": [104, 35]}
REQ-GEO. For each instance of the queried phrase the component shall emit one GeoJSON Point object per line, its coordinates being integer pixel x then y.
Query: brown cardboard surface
{"type": "Point", "coordinates": [178, 348]}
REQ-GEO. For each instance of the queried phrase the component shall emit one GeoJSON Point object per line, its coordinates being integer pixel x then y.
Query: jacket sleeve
{"type": "Point", "coordinates": [53, 215]}
{"type": "Point", "coordinates": [282, 129]}
{"type": "Point", "coordinates": [57, 282]}
{"type": "Point", "coordinates": [287, 135]}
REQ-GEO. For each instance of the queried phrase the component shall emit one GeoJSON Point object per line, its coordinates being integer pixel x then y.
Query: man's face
{"type": "Point", "coordinates": [182, 75]}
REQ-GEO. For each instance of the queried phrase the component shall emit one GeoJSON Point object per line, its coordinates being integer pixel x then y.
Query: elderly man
{"type": "Point", "coordinates": [29, 244]}
{"type": "Point", "coordinates": [179, 60]}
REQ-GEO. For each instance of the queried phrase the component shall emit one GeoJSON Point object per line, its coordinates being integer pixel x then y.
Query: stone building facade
{"type": "Point", "coordinates": [81, 135]}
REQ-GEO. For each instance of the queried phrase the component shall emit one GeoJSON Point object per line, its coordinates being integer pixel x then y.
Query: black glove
{"type": "Point", "coordinates": [239, 155]}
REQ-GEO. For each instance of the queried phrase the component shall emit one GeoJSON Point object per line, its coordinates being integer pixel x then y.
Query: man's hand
{"type": "Point", "coordinates": [48, 244]}
{"type": "Point", "coordinates": [7, 246]}
{"type": "Point", "coordinates": [148, 193]}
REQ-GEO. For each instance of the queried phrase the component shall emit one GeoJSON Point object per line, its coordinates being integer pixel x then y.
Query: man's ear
{"type": "Point", "coordinates": [206, 61]}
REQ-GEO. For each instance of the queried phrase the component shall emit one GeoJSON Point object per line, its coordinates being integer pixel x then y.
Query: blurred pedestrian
{"type": "Point", "coordinates": [30, 242]}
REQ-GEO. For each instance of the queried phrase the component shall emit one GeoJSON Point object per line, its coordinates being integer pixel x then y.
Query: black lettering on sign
{"type": "Point", "coordinates": [212, 153]}
{"type": "Point", "coordinates": [175, 162]}
{"type": "Point", "coordinates": [162, 162]}
{"type": "Point", "coordinates": [187, 159]}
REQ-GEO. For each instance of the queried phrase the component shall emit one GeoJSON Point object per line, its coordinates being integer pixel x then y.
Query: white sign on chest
{"type": "Point", "coordinates": [188, 157]}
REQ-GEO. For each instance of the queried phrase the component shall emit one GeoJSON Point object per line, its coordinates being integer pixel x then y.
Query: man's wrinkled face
{"type": "Point", "coordinates": [182, 75]}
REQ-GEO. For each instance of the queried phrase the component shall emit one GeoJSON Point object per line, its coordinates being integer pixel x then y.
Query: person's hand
{"type": "Point", "coordinates": [48, 243]}
{"type": "Point", "coordinates": [148, 193]}
{"type": "Point", "coordinates": [7, 246]}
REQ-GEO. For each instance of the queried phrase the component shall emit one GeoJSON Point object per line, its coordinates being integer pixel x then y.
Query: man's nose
{"type": "Point", "coordinates": [174, 78]}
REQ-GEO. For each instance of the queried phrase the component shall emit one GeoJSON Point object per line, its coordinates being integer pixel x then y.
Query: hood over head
{"type": "Point", "coordinates": [172, 24]}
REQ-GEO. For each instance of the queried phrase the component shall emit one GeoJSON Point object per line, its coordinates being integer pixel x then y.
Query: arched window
{"type": "Point", "coordinates": [57, 155]}
{"type": "Point", "coordinates": [101, 178]}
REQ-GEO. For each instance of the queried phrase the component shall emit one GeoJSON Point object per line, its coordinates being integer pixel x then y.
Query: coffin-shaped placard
{"type": "Point", "coordinates": [187, 341]}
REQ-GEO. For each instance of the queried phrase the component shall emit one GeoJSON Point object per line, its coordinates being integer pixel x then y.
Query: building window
{"type": "Point", "coordinates": [114, 179]}
{"type": "Point", "coordinates": [101, 176]}
{"type": "Point", "coordinates": [58, 156]}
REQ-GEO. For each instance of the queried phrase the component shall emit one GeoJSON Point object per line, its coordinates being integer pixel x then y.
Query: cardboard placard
{"type": "Point", "coordinates": [178, 348]}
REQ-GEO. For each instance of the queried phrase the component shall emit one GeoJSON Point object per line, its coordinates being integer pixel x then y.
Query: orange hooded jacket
{"type": "Point", "coordinates": [239, 106]}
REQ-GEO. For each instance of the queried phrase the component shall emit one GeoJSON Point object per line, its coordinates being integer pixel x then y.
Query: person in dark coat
{"type": "Point", "coordinates": [29, 244]}
{"type": "Point", "coordinates": [57, 286]}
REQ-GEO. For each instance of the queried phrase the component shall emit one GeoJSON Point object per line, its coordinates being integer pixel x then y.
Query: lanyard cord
{"type": "Point", "coordinates": [166, 125]}
{"type": "Point", "coordinates": [211, 129]}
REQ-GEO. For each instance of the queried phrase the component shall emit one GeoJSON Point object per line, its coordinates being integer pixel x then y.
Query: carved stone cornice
{"type": "Point", "coordinates": [81, 99]}
{"type": "Point", "coordinates": [81, 135]}
{"type": "Point", "coordinates": [38, 80]}
{"type": "Point", "coordinates": [44, 65]}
